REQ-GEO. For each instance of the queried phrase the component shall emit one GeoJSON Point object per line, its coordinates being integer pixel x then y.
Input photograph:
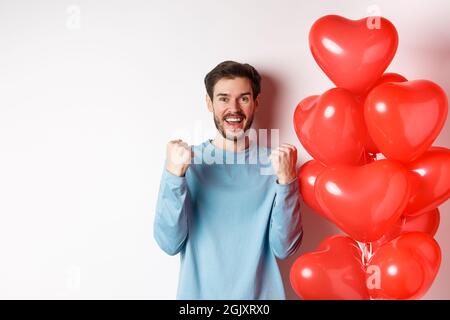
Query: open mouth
{"type": "Point", "coordinates": [234, 121]}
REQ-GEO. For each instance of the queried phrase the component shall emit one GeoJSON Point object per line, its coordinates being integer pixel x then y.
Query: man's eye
{"type": "Point", "coordinates": [245, 99]}
{"type": "Point", "coordinates": [223, 99]}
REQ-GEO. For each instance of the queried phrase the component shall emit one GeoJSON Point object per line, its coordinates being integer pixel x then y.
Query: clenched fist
{"type": "Point", "coordinates": [178, 157]}
{"type": "Point", "coordinates": [284, 161]}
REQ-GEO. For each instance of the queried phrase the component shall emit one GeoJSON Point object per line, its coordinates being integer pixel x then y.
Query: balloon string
{"type": "Point", "coordinates": [366, 252]}
{"type": "Point", "coordinates": [362, 248]}
{"type": "Point", "coordinates": [362, 257]}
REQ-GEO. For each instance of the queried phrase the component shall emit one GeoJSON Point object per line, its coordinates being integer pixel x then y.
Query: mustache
{"type": "Point", "coordinates": [234, 115]}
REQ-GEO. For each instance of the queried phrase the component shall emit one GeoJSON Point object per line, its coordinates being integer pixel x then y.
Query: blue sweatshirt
{"type": "Point", "coordinates": [229, 219]}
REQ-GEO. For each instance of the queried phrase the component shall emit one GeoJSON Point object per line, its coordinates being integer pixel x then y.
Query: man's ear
{"type": "Point", "coordinates": [257, 103]}
{"type": "Point", "coordinates": [209, 103]}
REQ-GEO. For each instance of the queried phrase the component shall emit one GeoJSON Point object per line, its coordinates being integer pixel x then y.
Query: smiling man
{"type": "Point", "coordinates": [229, 220]}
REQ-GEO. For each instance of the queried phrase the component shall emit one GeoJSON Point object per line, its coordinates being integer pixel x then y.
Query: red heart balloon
{"type": "Point", "coordinates": [307, 176]}
{"type": "Point", "coordinates": [394, 273]}
{"type": "Point", "coordinates": [334, 271]}
{"type": "Point", "coordinates": [331, 127]}
{"type": "Point", "coordinates": [351, 53]}
{"type": "Point", "coordinates": [364, 201]}
{"type": "Point", "coordinates": [427, 248]}
{"type": "Point", "coordinates": [404, 268]}
{"type": "Point", "coordinates": [404, 118]}
{"type": "Point", "coordinates": [432, 174]}
{"type": "Point", "coordinates": [385, 78]}
{"type": "Point", "coordinates": [427, 222]}
{"type": "Point", "coordinates": [389, 77]}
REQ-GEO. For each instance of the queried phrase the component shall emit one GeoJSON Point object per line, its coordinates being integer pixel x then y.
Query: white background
{"type": "Point", "coordinates": [87, 106]}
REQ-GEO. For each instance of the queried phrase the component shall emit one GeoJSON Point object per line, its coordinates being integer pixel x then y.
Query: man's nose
{"type": "Point", "coordinates": [235, 106]}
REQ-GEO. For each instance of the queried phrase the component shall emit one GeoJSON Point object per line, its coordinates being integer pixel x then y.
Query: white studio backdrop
{"type": "Point", "coordinates": [90, 93]}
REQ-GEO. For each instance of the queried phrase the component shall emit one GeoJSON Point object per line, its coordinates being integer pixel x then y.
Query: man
{"type": "Point", "coordinates": [229, 221]}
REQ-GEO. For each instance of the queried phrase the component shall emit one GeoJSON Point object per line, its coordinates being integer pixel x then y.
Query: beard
{"type": "Point", "coordinates": [236, 135]}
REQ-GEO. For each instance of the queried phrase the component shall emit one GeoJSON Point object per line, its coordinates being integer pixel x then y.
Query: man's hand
{"type": "Point", "coordinates": [284, 161]}
{"type": "Point", "coordinates": [179, 155]}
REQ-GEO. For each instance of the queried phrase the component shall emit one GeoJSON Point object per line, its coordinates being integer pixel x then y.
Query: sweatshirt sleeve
{"type": "Point", "coordinates": [170, 228]}
{"type": "Point", "coordinates": [286, 229]}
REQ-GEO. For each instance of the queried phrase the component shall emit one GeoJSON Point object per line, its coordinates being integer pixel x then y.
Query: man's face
{"type": "Point", "coordinates": [233, 107]}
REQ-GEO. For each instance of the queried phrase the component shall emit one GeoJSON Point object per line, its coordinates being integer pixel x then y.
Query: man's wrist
{"type": "Point", "coordinates": [286, 180]}
{"type": "Point", "coordinates": [179, 172]}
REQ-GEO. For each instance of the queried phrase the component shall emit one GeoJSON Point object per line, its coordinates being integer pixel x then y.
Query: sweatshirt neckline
{"type": "Point", "coordinates": [251, 146]}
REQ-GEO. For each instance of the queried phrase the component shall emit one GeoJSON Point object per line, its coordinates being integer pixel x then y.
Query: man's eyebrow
{"type": "Point", "coordinates": [226, 94]}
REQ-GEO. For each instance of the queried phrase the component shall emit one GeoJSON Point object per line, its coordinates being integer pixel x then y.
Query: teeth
{"type": "Point", "coordinates": [233, 119]}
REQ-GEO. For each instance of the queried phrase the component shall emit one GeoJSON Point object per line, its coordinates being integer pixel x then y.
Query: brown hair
{"type": "Point", "coordinates": [231, 70]}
